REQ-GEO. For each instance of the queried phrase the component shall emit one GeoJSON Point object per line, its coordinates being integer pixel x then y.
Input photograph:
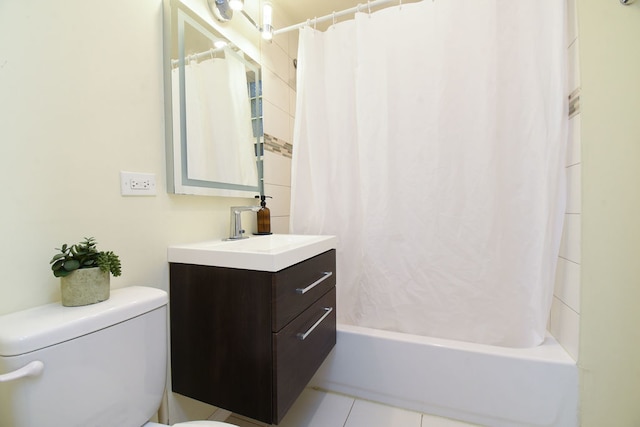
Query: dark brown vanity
{"type": "Point", "coordinates": [248, 340]}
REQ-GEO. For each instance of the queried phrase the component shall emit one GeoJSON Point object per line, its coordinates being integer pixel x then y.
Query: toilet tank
{"type": "Point", "coordinates": [101, 365]}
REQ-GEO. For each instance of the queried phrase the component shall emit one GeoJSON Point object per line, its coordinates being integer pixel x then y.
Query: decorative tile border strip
{"type": "Point", "coordinates": [574, 103]}
{"type": "Point", "coordinates": [275, 145]}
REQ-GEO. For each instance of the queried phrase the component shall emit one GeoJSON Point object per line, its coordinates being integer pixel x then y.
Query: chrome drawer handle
{"type": "Point", "coordinates": [302, 336]}
{"type": "Point", "coordinates": [325, 276]}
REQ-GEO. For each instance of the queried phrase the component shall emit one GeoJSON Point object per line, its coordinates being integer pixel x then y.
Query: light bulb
{"type": "Point", "coordinates": [267, 18]}
{"type": "Point", "coordinates": [236, 4]}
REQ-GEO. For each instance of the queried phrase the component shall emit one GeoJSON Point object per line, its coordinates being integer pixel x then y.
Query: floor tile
{"type": "Point", "coordinates": [369, 414]}
{"type": "Point", "coordinates": [240, 422]}
{"type": "Point", "coordinates": [313, 408]}
{"type": "Point", "coordinates": [433, 421]}
{"type": "Point", "coordinates": [316, 408]}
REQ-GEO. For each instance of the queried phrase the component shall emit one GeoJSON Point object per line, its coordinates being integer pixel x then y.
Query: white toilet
{"type": "Point", "coordinates": [100, 365]}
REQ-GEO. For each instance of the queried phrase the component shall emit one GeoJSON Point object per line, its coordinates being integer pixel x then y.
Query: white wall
{"type": "Point", "coordinates": [81, 99]}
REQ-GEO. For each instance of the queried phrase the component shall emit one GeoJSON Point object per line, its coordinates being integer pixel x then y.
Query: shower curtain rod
{"type": "Point", "coordinates": [334, 15]}
{"type": "Point", "coordinates": [200, 55]}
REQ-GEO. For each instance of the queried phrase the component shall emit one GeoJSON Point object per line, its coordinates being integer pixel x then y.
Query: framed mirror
{"type": "Point", "coordinates": [213, 109]}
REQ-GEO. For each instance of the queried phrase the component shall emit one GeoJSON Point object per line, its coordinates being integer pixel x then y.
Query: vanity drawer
{"type": "Point", "coordinates": [299, 286]}
{"type": "Point", "coordinates": [300, 348]}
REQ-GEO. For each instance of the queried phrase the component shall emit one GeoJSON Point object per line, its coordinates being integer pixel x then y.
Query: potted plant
{"type": "Point", "coordinates": [84, 272]}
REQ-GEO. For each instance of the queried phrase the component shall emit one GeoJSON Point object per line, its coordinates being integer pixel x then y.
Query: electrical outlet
{"type": "Point", "coordinates": [140, 184]}
{"type": "Point", "coordinates": [137, 184]}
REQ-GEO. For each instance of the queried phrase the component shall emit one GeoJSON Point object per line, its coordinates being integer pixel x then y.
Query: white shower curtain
{"type": "Point", "coordinates": [430, 138]}
{"type": "Point", "coordinates": [220, 141]}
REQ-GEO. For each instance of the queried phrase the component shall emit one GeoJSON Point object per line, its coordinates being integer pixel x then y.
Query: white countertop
{"type": "Point", "coordinates": [273, 252]}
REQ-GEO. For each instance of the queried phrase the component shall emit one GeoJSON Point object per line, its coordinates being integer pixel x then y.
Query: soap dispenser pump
{"type": "Point", "coordinates": [264, 216]}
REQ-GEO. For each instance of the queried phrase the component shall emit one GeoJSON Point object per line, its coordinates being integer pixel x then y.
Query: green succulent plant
{"type": "Point", "coordinates": [84, 255]}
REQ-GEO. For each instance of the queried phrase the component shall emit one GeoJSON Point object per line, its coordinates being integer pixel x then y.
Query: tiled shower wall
{"type": "Point", "coordinates": [565, 311]}
{"type": "Point", "coordinates": [279, 111]}
{"type": "Point", "coordinates": [279, 80]}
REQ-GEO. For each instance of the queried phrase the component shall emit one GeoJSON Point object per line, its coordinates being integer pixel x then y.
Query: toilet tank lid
{"type": "Point", "coordinates": [39, 327]}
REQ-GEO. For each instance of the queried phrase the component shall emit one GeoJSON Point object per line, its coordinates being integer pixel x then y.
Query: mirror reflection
{"type": "Point", "coordinates": [215, 111]}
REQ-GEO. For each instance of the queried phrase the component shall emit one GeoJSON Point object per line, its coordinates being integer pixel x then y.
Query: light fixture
{"type": "Point", "coordinates": [219, 44]}
{"type": "Point", "coordinates": [221, 10]}
{"type": "Point", "coordinates": [267, 19]}
{"type": "Point", "coordinates": [236, 4]}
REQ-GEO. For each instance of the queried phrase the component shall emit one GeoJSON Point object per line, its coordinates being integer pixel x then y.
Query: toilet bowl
{"type": "Point", "coordinates": [100, 364]}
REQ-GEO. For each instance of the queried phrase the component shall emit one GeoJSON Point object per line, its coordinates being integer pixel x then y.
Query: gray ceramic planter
{"type": "Point", "coordinates": [85, 286]}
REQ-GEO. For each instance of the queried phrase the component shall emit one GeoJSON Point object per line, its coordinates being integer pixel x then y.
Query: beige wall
{"type": "Point", "coordinates": [610, 315]}
{"type": "Point", "coordinates": [81, 99]}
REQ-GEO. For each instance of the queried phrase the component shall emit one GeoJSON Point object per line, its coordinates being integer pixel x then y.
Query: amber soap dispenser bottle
{"type": "Point", "coordinates": [264, 216]}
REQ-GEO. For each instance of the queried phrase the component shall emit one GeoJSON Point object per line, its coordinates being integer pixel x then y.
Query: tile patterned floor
{"type": "Point", "coordinates": [316, 408]}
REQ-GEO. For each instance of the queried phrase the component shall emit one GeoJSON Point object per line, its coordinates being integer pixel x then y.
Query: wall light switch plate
{"type": "Point", "coordinates": [137, 184]}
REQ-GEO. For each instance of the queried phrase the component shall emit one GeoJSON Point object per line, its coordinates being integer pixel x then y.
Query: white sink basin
{"type": "Point", "coordinates": [265, 253]}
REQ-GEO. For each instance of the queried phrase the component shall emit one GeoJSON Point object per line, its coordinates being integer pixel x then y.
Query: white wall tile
{"type": "Point", "coordinates": [567, 285]}
{"type": "Point", "coordinates": [280, 225]}
{"type": "Point", "coordinates": [277, 169]}
{"type": "Point", "coordinates": [572, 22]}
{"type": "Point", "coordinates": [275, 90]}
{"type": "Point", "coordinates": [565, 326]}
{"type": "Point", "coordinates": [573, 67]}
{"type": "Point", "coordinates": [293, 43]}
{"type": "Point", "coordinates": [281, 40]}
{"type": "Point", "coordinates": [571, 240]}
{"type": "Point", "coordinates": [280, 204]}
{"type": "Point", "coordinates": [292, 122]}
{"type": "Point", "coordinates": [276, 121]}
{"type": "Point", "coordinates": [292, 102]}
{"type": "Point", "coordinates": [275, 59]}
{"type": "Point", "coordinates": [293, 54]}
{"type": "Point", "coordinates": [293, 77]}
{"type": "Point", "coordinates": [565, 311]}
{"type": "Point", "coordinates": [573, 144]}
{"type": "Point", "coordinates": [574, 189]}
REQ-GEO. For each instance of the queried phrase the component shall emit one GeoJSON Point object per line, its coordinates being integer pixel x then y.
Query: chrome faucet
{"type": "Point", "coordinates": [236, 222]}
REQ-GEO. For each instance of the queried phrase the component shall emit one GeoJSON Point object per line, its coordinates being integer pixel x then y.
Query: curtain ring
{"type": "Point", "coordinates": [315, 22]}
{"type": "Point", "coordinates": [334, 18]}
{"type": "Point", "coordinates": [369, 7]}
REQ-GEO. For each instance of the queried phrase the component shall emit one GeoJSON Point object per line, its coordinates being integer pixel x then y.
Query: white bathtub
{"type": "Point", "coordinates": [487, 385]}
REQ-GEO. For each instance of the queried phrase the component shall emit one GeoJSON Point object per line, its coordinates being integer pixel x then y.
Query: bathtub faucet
{"type": "Point", "coordinates": [236, 222]}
